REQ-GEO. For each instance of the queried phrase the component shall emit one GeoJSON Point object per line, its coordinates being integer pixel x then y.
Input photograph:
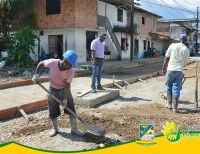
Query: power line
{"type": "Point", "coordinates": [168, 7]}
{"type": "Point", "coordinates": [174, 10]}
{"type": "Point", "coordinates": [182, 6]}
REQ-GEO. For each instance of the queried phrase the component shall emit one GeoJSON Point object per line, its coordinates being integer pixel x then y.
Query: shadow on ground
{"type": "Point", "coordinates": [187, 111]}
{"type": "Point", "coordinates": [90, 138]}
{"type": "Point", "coordinates": [135, 99]}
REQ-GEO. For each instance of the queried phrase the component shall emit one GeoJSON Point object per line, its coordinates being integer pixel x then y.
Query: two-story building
{"type": "Point", "coordinates": [73, 24]}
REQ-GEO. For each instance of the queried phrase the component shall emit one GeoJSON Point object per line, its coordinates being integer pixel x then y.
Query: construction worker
{"type": "Point", "coordinates": [61, 75]}
{"type": "Point", "coordinates": [97, 48]}
{"type": "Point", "coordinates": [173, 66]}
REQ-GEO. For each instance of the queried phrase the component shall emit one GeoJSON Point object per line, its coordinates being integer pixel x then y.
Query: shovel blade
{"type": "Point", "coordinates": [96, 130]}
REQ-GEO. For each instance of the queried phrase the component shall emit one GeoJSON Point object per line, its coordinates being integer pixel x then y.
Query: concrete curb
{"type": "Point", "coordinates": [91, 101]}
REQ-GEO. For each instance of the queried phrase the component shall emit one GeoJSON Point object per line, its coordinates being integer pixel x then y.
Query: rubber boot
{"type": "Point", "coordinates": [54, 130]}
{"type": "Point", "coordinates": [99, 87]}
{"type": "Point", "coordinates": [175, 102]}
{"type": "Point", "coordinates": [169, 101]}
{"type": "Point", "coordinates": [74, 129]}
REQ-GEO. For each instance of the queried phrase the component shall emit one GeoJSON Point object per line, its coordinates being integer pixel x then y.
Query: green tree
{"type": "Point", "coordinates": [22, 44]}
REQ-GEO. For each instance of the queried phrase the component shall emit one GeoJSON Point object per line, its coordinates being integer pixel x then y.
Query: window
{"type": "Point", "coordinates": [120, 15]}
{"type": "Point", "coordinates": [143, 20]}
{"type": "Point", "coordinates": [145, 45]}
{"type": "Point", "coordinates": [53, 7]}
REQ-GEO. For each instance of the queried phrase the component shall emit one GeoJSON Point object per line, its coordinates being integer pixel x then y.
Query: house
{"type": "Point", "coordinates": [73, 24]}
{"type": "Point", "coordinates": [146, 25]}
{"type": "Point", "coordinates": [173, 28]}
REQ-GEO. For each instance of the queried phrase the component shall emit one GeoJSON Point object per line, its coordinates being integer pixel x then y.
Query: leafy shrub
{"type": "Point", "coordinates": [22, 44]}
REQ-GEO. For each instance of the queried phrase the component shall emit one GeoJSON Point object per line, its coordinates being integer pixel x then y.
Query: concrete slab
{"type": "Point", "coordinates": [94, 99]}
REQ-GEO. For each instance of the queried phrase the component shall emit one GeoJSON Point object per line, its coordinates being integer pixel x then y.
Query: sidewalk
{"type": "Point", "coordinates": [123, 63]}
{"type": "Point", "coordinates": [17, 96]}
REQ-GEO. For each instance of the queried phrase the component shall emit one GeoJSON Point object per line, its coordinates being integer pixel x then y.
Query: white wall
{"type": "Point", "coordinates": [80, 44]}
{"type": "Point", "coordinates": [198, 38]}
{"type": "Point", "coordinates": [70, 39]}
{"type": "Point", "coordinates": [74, 39]}
{"type": "Point", "coordinates": [111, 12]}
{"type": "Point", "coordinates": [176, 31]}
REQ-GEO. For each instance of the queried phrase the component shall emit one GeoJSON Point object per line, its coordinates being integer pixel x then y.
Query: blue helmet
{"type": "Point", "coordinates": [71, 57]}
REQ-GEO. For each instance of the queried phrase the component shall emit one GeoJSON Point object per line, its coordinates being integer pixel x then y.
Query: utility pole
{"type": "Point", "coordinates": [132, 27]}
{"type": "Point", "coordinates": [196, 47]}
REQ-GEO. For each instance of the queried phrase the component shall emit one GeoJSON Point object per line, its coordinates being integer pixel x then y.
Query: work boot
{"type": "Point", "coordinates": [54, 130]}
{"type": "Point", "coordinates": [175, 102]}
{"type": "Point", "coordinates": [94, 91]}
{"type": "Point", "coordinates": [169, 101]}
{"type": "Point", "coordinates": [74, 129]}
{"type": "Point", "coordinates": [99, 87]}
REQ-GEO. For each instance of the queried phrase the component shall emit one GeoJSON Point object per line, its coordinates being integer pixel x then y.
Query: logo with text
{"type": "Point", "coordinates": [173, 133]}
{"type": "Point", "coordinates": [146, 135]}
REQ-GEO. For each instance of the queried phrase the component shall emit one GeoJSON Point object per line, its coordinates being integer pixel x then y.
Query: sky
{"type": "Point", "coordinates": [175, 9]}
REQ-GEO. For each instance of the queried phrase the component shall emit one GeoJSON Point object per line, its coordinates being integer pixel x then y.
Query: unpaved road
{"type": "Point", "coordinates": [139, 104]}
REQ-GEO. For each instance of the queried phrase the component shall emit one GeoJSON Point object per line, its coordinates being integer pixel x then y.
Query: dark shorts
{"type": "Point", "coordinates": [54, 106]}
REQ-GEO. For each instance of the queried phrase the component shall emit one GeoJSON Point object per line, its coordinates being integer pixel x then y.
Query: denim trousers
{"type": "Point", "coordinates": [174, 83]}
{"type": "Point", "coordinates": [97, 72]}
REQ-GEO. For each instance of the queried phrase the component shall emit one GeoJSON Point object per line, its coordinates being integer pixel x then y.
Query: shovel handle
{"type": "Point", "coordinates": [60, 102]}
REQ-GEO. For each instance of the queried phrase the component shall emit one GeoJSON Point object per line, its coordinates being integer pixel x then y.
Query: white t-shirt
{"type": "Point", "coordinates": [178, 53]}
{"type": "Point", "coordinates": [98, 47]}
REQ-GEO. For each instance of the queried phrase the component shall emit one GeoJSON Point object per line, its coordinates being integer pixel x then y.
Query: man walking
{"type": "Point", "coordinates": [97, 48]}
{"type": "Point", "coordinates": [173, 66]}
{"type": "Point", "coordinates": [61, 76]}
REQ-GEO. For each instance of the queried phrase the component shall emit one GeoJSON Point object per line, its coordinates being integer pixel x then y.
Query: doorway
{"type": "Point", "coordinates": [136, 47]}
{"type": "Point", "coordinates": [56, 46]}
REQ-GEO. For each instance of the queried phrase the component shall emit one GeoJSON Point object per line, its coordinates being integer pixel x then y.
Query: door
{"type": "Point", "coordinates": [136, 47]}
{"type": "Point", "coordinates": [123, 44]}
{"type": "Point", "coordinates": [56, 46]}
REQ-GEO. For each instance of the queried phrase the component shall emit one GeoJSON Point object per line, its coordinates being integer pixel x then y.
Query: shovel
{"type": "Point", "coordinates": [95, 130]}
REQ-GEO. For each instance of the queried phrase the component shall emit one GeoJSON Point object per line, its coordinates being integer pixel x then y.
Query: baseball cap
{"type": "Point", "coordinates": [183, 36]}
{"type": "Point", "coordinates": [103, 34]}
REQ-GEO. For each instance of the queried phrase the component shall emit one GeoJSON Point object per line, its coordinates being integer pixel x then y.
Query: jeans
{"type": "Point", "coordinates": [97, 72]}
{"type": "Point", "coordinates": [174, 83]}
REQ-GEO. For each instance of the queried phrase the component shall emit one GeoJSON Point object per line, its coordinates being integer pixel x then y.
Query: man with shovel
{"type": "Point", "coordinates": [61, 75]}
{"type": "Point", "coordinates": [173, 66]}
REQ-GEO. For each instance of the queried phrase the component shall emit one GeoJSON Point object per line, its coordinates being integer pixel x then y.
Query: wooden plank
{"type": "Point", "coordinates": [118, 86]}
{"type": "Point", "coordinates": [126, 82]}
{"type": "Point", "coordinates": [141, 80]}
{"type": "Point", "coordinates": [23, 113]}
{"type": "Point", "coordinates": [84, 93]}
{"type": "Point", "coordinates": [113, 79]}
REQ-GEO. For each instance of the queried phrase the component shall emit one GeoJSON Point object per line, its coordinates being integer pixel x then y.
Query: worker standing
{"type": "Point", "coordinates": [61, 75]}
{"type": "Point", "coordinates": [97, 48]}
{"type": "Point", "coordinates": [173, 66]}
